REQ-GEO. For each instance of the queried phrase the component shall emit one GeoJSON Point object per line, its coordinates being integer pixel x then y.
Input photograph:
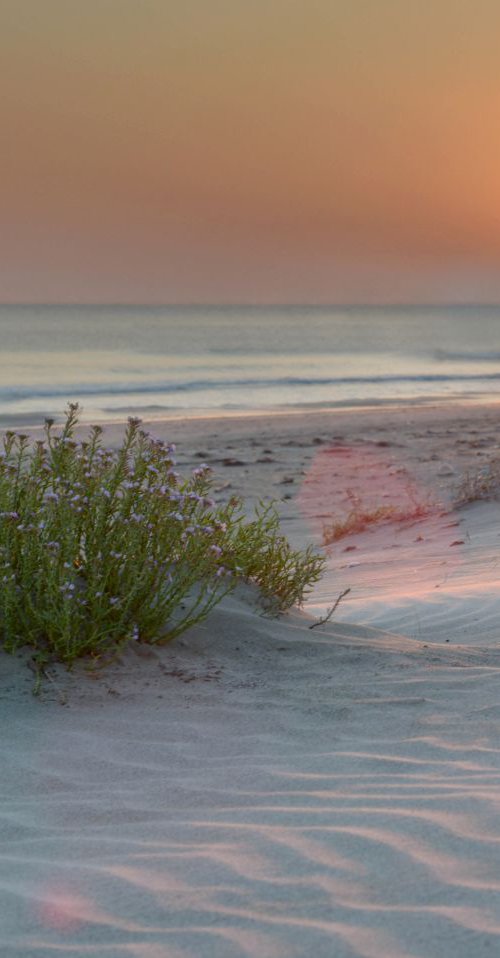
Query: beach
{"type": "Point", "coordinates": [278, 787]}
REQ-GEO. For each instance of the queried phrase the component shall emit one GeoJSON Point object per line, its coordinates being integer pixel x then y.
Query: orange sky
{"type": "Point", "coordinates": [249, 150]}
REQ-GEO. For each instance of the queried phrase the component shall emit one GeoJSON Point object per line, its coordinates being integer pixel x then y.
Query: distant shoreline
{"type": "Point", "coordinates": [33, 421]}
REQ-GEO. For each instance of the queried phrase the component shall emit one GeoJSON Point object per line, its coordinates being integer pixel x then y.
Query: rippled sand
{"type": "Point", "coordinates": [263, 789]}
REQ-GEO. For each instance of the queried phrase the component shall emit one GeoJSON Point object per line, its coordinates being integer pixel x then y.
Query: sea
{"type": "Point", "coordinates": [178, 361]}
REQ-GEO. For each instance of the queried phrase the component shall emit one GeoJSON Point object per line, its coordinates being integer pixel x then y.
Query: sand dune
{"type": "Point", "coordinates": [263, 789]}
{"type": "Point", "coordinates": [285, 792]}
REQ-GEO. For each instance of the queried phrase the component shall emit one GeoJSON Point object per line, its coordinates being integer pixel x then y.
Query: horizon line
{"type": "Point", "coordinates": [403, 304]}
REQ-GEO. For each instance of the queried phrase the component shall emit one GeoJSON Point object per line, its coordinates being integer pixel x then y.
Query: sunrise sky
{"type": "Point", "coordinates": [162, 151]}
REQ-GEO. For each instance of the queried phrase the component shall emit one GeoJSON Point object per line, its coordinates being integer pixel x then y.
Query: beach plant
{"type": "Point", "coordinates": [258, 551]}
{"type": "Point", "coordinates": [101, 547]}
{"type": "Point", "coordinates": [484, 484]}
{"type": "Point", "coordinates": [361, 517]}
{"type": "Point", "coordinates": [356, 520]}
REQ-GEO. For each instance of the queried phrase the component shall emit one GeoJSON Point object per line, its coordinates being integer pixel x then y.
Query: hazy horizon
{"type": "Point", "coordinates": [277, 152]}
{"type": "Point", "coordinates": [255, 305]}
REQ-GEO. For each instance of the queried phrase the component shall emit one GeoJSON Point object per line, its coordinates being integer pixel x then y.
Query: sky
{"type": "Point", "coordinates": [249, 151]}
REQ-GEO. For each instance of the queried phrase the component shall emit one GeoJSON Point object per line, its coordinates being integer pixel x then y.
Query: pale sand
{"type": "Point", "coordinates": [263, 789]}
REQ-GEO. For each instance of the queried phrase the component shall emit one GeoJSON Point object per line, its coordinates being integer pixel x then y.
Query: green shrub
{"type": "Point", "coordinates": [100, 547]}
{"type": "Point", "coordinates": [258, 551]}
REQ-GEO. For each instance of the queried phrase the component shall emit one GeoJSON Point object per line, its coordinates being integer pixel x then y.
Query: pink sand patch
{"type": "Point", "coordinates": [411, 552]}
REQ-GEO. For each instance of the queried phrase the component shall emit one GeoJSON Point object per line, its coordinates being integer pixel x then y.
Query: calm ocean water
{"type": "Point", "coordinates": [158, 362]}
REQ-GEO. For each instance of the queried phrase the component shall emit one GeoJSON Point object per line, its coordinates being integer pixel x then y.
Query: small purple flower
{"type": "Point", "coordinates": [67, 587]}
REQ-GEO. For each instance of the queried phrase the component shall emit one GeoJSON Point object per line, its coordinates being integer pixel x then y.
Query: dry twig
{"type": "Point", "coordinates": [330, 612]}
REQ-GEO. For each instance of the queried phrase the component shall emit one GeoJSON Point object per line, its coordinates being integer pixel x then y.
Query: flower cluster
{"type": "Point", "coordinates": [98, 547]}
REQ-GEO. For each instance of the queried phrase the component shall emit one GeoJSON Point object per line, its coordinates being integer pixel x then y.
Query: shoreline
{"type": "Point", "coordinates": [34, 421]}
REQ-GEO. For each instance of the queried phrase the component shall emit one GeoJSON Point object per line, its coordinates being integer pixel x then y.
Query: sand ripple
{"type": "Point", "coordinates": [330, 793]}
